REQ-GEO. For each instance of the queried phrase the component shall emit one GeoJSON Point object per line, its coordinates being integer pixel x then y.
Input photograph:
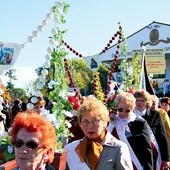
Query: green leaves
{"type": "Point", "coordinates": [8, 150]}
{"type": "Point", "coordinates": [8, 156]}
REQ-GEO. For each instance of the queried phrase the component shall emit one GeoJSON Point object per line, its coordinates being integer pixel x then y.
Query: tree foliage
{"type": "Point", "coordinates": [82, 75]}
{"type": "Point", "coordinates": [19, 93]}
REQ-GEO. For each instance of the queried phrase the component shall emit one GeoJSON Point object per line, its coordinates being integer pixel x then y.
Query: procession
{"type": "Point", "coordinates": [109, 110]}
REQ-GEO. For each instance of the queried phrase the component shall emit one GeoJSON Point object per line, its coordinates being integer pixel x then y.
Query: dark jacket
{"type": "Point", "coordinates": [139, 140]}
{"type": "Point", "coordinates": [140, 143]}
{"type": "Point", "coordinates": [155, 122]}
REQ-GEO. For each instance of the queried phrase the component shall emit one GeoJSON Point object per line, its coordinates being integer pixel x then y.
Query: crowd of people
{"type": "Point", "coordinates": [137, 137]}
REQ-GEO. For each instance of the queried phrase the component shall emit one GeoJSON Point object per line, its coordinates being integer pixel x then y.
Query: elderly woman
{"type": "Point", "coordinates": [157, 129]}
{"type": "Point", "coordinates": [133, 131]}
{"type": "Point", "coordinates": [34, 141]}
{"type": "Point", "coordinates": [98, 150]}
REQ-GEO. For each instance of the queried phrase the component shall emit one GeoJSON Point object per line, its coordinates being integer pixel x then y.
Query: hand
{"type": "Point", "coordinates": [165, 165]}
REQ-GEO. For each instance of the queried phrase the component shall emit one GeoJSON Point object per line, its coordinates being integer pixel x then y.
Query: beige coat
{"type": "Point", "coordinates": [115, 156]}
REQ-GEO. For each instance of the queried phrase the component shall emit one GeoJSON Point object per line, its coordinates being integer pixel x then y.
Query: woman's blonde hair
{"type": "Point", "coordinates": [126, 98]}
{"type": "Point", "coordinates": [95, 107]}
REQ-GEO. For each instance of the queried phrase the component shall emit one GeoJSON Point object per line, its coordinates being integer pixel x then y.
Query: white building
{"type": "Point", "coordinates": [155, 37]}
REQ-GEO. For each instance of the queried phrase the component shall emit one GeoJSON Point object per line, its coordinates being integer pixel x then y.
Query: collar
{"type": "Point", "coordinates": [109, 140]}
{"type": "Point", "coordinates": [41, 168]}
{"type": "Point", "coordinates": [132, 117]}
{"type": "Point", "coordinates": [140, 113]}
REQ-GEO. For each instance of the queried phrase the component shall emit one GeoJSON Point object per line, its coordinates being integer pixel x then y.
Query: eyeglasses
{"type": "Point", "coordinates": [87, 122]}
{"type": "Point", "coordinates": [140, 100]}
{"type": "Point", "coordinates": [125, 110]}
{"type": "Point", "coordinates": [29, 144]}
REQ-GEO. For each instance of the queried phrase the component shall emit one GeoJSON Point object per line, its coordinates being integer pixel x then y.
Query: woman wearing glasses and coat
{"type": "Point", "coordinates": [133, 131]}
{"type": "Point", "coordinates": [34, 141]}
{"type": "Point", "coordinates": [98, 150]}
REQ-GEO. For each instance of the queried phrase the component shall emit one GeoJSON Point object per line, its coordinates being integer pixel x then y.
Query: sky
{"type": "Point", "coordinates": [90, 25]}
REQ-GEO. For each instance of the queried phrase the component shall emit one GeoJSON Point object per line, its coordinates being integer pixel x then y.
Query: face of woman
{"type": "Point", "coordinates": [140, 104]}
{"type": "Point", "coordinates": [39, 108]}
{"type": "Point", "coordinates": [92, 126]}
{"type": "Point", "coordinates": [124, 110]}
{"type": "Point", "coordinates": [27, 158]}
{"type": "Point", "coordinates": [154, 105]}
{"type": "Point", "coordinates": [165, 106]}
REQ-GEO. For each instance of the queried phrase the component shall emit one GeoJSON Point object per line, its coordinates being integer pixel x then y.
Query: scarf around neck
{"type": "Point", "coordinates": [92, 149]}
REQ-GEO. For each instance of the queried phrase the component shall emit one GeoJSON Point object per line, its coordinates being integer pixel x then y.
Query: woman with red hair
{"type": "Point", "coordinates": [34, 141]}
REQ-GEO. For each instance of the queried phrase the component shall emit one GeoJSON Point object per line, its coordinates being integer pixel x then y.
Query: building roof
{"type": "Point", "coordinates": [154, 35]}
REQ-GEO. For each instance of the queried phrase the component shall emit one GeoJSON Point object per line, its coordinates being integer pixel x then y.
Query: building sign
{"type": "Point", "coordinates": [93, 62]}
{"type": "Point", "coordinates": [155, 61]}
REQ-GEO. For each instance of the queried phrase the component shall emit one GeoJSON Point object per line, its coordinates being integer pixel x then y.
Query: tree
{"type": "Point", "coordinates": [19, 93]}
{"type": "Point", "coordinates": [10, 74]}
{"type": "Point", "coordinates": [81, 74]}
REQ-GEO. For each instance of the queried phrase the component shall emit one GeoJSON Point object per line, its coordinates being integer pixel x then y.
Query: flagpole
{"type": "Point", "coordinates": [142, 77]}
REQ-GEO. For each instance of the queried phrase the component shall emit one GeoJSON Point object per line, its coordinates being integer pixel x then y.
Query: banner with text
{"type": "Point", "coordinates": [155, 61]}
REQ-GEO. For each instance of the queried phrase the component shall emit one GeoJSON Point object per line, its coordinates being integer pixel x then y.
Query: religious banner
{"type": "Point", "coordinates": [9, 53]}
{"type": "Point", "coordinates": [155, 61]}
{"type": "Point", "coordinates": [93, 62]}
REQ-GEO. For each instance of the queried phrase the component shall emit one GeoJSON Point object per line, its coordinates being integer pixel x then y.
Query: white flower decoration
{"type": "Point", "coordinates": [37, 93]}
{"type": "Point", "coordinates": [30, 106]}
{"type": "Point", "coordinates": [34, 99]}
{"type": "Point", "coordinates": [42, 78]}
{"type": "Point", "coordinates": [51, 117]}
{"type": "Point", "coordinates": [51, 84]}
{"type": "Point", "coordinates": [49, 50]}
{"type": "Point", "coordinates": [47, 64]}
{"type": "Point", "coordinates": [48, 57]}
{"type": "Point", "coordinates": [45, 112]}
{"type": "Point", "coordinates": [40, 85]}
{"type": "Point", "coordinates": [10, 149]}
{"type": "Point", "coordinates": [39, 28]}
{"type": "Point", "coordinates": [5, 134]}
{"type": "Point", "coordinates": [53, 31]}
{"type": "Point", "coordinates": [44, 72]}
{"type": "Point", "coordinates": [63, 94]}
{"type": "Point", "coordinates": [68, 114]}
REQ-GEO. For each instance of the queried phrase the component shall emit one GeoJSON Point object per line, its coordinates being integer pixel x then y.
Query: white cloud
{"type": "Point", "coordinates": [24, 75]}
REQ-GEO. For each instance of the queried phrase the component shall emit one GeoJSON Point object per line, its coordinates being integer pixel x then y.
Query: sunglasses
{"type": "Point", "coordinates": [29, 144]}
{"type": "Point", "coordinates": [125, 110]}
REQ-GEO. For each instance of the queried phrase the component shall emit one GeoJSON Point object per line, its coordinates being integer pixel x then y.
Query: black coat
{"type": "Point", "coordinates": [140, 142]}
{"type": "Point", "coordinates": [155, 122]}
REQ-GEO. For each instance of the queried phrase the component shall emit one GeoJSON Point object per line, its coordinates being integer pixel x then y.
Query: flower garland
{"type": "Point", "coordinates": [52, 75]}
{"type": "Point", "coordinates": [97, 87]}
